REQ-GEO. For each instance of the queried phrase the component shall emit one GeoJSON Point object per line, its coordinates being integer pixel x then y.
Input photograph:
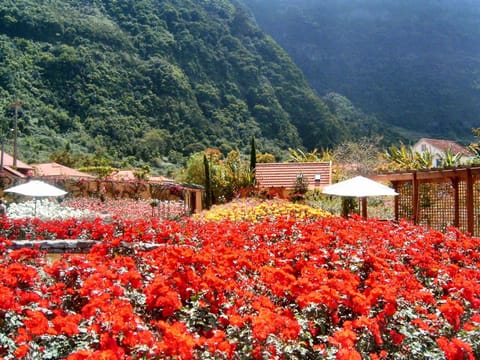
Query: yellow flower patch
{"type": "Point", "coordinates": [258, 210]}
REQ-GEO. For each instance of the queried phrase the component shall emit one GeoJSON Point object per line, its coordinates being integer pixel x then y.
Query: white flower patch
{"type": "Point", "coordinates": [45, 209]}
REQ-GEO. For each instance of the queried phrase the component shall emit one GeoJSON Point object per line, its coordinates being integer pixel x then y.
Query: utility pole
{"type": "Point", "coordinates": [17, 104]}
{"type": "Point", "coordinates": [3, 151]}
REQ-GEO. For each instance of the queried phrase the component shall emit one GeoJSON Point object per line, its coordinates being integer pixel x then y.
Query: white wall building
{"type": "Point", "coordinates": [438, 148]}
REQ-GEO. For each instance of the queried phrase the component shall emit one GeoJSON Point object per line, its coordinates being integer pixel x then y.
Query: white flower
{"type": "Point", "coordinates": [45, 209]}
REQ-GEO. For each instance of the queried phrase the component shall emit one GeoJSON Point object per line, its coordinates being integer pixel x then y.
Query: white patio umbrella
{"type": "Point", "coordinates": [36, 188]}
{"type": "Point", "coordinates": [360, 187]}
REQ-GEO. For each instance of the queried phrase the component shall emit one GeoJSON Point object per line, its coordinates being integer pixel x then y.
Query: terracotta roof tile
{"type": "Point", "coordinates": [8, 161]}
{"type": "Point", "coordinates": [445, 145]}
{"type": "Point", "coordinates": [58, 170]}
{"type": "Point", "coordinates": [284, 175]}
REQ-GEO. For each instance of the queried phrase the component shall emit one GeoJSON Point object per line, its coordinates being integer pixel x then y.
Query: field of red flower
{"type": "Point", "coordinates": [280, 288]}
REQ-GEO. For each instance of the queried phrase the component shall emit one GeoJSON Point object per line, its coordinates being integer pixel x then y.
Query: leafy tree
{"type": "Point", "coordinates": [238, 174]}
{"type": "Point", "coordinates": [450, 159]}
{"type": "Point", "coordinates": [298, 155]}
{"type": "Point", "coordinates": [143, 173]}
{"type": "Point", "coordinates": [64, 157]}
{"type": "Point", "coordinates": [226, 176]}
{"type": "Point", "coordinates": [405, 158]}
{"type": "Point", "coordinates": [359, 157]}
{"type": "Point", "coordinates": [265, 158]}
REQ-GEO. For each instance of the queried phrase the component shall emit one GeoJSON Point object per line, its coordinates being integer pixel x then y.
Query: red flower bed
{"type": "Point", "coordinates": [330, 288]}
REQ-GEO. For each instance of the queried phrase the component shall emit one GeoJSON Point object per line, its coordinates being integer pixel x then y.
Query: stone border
{"type": "Point", "coordinates": [54, 246]}
{"type": "Point", "coordinates": [61, 246]}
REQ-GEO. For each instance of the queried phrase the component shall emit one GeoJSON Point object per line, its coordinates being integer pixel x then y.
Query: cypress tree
{"type": "Point", "coordinates": [253, 155]}
{"type": "Point", "coordinates": [208, 184]}
{"type": "Point", "coordinates": [253, 160]}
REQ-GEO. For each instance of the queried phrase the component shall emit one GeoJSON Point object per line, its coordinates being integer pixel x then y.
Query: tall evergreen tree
{"type": "Point", "coordinates": [253, 155]}
{"type": "Point", "coordinates": [208, 184]}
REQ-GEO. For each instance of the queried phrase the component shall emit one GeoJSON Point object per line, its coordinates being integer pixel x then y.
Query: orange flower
{"type": "Point", "coordinates": [21, 351]}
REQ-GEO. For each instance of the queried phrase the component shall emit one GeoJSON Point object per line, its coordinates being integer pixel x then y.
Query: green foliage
{"type": "Point", "coordinates": [224, 176]}
{"type": "Point", "coordinates": [405, 158]}
{"type": "Point", "coordinates": [298, 155]}
{"type": "Point", "coordinates": [143, 173]}
{"type": "Point", "coordinates": [474, 147]}
{"type": "Point", "coordinates": [100, 171]}
{"type": "Point", "coordinates": [451, 159]}
{"type": "Point", "coordinates": [152, 82]}
{"type": "Point", "coordinates": [265, 158]}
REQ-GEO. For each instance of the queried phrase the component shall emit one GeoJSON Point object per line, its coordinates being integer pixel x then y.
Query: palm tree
{"type": "Point", "coordinates": [449, 159]}
{"type": "Point", "coordinates": [298, 155]}
{"type": "Point", "coordinates": [405, 158]}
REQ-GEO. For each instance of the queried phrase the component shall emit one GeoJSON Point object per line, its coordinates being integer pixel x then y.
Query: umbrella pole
{"type": "Point", "coordinates": [364, 207]}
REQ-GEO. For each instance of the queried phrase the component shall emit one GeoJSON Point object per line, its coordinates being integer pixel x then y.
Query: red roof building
{"type": "Point", "coordinates": [21, 170]}
{"type": "Point", "coordinates": [59, 171]}
{"type": "Point", "coordinates": [438, 148]}
{"type": "Point", "coordinates": [285, 175]}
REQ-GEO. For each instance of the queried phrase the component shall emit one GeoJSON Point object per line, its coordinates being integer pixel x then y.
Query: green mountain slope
{"type": "Point", "coordinates": [152, 81]}
{"type": "Point", "coordinates": [414, 64]}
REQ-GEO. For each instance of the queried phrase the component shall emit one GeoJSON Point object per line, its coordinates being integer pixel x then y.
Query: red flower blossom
{"type": "Point", "coordinates": [161, 296]}
{"type": "Point", "coordinates": [67, 324]}
{"type": "Point", "coordinates": [177, 341]}
{"type": "Point", "coordinates": [348, 354]}
{"type": "Point", "coordinates": [344, 338]}
{"type": "Point", "coordinates": [21, 351]}
{"type": "Point", "coordinates": [207, 285]}
{"type": "Point", "coordinates": [396, 337]}
{"type": "Point", "coordinates": [455, 349]}
{"type": "Point", "coordinates": [36, 323]}
{"type": "Point", "coordinates": [452, 310]}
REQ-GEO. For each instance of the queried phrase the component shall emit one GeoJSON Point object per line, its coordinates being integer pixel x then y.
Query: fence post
{"type": "Point", "coordinates": [469, 203]}
{"type": "Point", "coordinates": [456, 203]}
{"type": "Point", "coordinates": [415, 186]}
{"type": "Point", "coordinates": [396, 200]}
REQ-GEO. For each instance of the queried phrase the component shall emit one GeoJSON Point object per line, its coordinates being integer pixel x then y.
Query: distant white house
{"type": "Point", "coordinates": [438, 148]}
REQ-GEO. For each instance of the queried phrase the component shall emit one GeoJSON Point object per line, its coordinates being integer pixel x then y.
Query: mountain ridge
{"type": "Point", "coordinates": [414, 65]}
{"type": "Point", "coordinates": [154, 81]}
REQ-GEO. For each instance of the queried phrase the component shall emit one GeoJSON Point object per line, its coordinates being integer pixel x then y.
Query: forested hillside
{"type": "Point", "coordinates": [414, 64]}
{"type": "Point", "coordinates": [153, 81]}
